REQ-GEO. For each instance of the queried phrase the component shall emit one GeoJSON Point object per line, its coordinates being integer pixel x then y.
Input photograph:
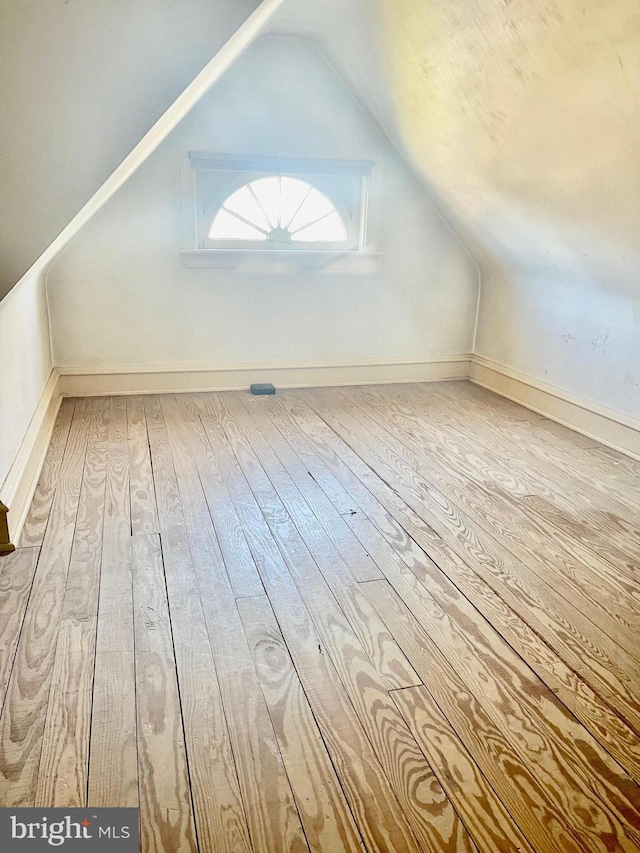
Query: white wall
{"type": "Point", "coordinates": [120, 296]}
{"type": "Point", "coordinates": [534, 139]}
{"type": "Point", "coordinates": [574, 327]}
{"type": "Point", "coordinates": [523, 119]}
{"type": "Point", "coordinates": [26, 367]}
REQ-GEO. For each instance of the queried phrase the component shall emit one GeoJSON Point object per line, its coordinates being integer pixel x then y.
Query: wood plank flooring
{"type": "Point", "coordinates": [387, 619]}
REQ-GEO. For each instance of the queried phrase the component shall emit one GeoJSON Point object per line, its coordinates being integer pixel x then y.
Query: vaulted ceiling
{"type": "Point", "coordinates": [520, 116]}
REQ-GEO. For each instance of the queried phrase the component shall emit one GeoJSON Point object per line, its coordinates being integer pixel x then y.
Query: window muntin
{"type": "Point", "coordinates": [331, 223]}
{"type": "Point", "coordinates": [278, 209]}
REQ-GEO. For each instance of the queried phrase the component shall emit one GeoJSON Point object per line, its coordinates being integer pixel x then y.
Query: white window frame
{"type": "Point", "coordinates": [345, 182]}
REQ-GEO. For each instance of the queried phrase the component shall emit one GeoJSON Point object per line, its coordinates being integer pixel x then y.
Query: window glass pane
{"type": "Point", "coordinates": [315, 206]}
{"type": "Point", "coordinates": [228, 227]}
{"type": "Point", "coordinates": [294, 193]}
{"type": "Point", "coordinates": [328, 230]}
{"type": "Point", "coordinates": [244, 203]}
{"type": "Point", "coordinates": [267, 191]}
{"type": "Point", "coordinates": [279, 209]}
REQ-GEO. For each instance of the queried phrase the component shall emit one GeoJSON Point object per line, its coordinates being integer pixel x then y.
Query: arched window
{"type": "Point", "coordinates": [277, 213]}
{"type": "Point", "coordinates": [279, 210]}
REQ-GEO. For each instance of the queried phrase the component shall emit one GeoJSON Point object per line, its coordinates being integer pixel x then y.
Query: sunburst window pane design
{"type": "Point", "coordinates": [227, 226]}
{"type": "Point", "coordinates": [294, 193]}
{"type": "Point", "coordinates": [315, 207]}
{"type": "Point", "coordinates": [245, 205]}
{"type": "Point", "coordinates": [281, 210]}
{"type": "Point", "coordinates": [267, 193]}
{"type": "Point", "coordinates": [329, 229]}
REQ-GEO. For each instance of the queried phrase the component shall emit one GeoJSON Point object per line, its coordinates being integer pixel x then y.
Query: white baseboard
{"type": "Point", "coordinates": [19, 486]}
{"type": "Point", "coordinates": [603, 425]}
{"type": "Point", "coordinates": [176, 379]}
{"type": "Point", "coordinates": [22, 479]}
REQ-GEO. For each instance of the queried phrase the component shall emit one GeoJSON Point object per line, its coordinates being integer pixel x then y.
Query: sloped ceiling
{"type": "Point", "coordinates": [81, 81]}
{"type": "Point", "coordinates": [522, 117]}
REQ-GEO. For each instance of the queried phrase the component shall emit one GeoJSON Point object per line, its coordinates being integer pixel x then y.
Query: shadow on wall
{"type": "Point", "coordinates": [79, 89]}
{"type": "Point", "coordinates": [576, 329]}
{"type": "Point", "coordinates": [524, 117]}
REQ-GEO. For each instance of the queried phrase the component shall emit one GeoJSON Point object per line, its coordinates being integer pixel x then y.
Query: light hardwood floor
{"type": "Point", "coordinates": [399, 618]}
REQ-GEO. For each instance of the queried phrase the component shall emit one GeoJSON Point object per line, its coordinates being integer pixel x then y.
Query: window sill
{"type": "Point", "coordinates": [279, 261]}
